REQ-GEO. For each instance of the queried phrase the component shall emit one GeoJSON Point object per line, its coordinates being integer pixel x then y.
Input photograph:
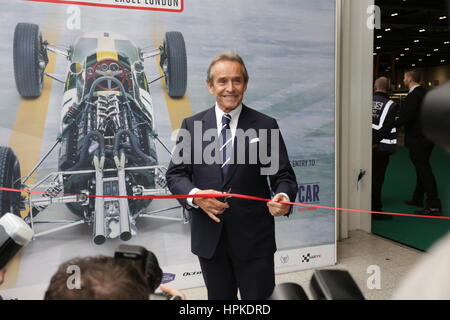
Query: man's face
{"type": "Point", "coordinates": [406, 80]}
{"type": "Point", "coordinates": [227, 84]}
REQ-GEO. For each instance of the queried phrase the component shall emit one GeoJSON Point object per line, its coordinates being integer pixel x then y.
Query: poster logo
{"type": "Point", "coordinates": [192, 273]}
{"type": "Point", "coordinates": [308, 257]}
{"type": "Point", "coordinates": [167, 277]}
{"type": "Point", "coordinates": [156, 5]}
{"type": "Point", "coordinates": [309, 193]}
{"type": "Point", "coordinates": [284, 259]}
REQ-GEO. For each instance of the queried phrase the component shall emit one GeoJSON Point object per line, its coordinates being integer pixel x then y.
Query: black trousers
{"type": "Point", "coordinates": [380, 161]}
{"type": "Point", "coordinates": [225, 274]}
{"type": "Point", "coordinates": [420, 153]}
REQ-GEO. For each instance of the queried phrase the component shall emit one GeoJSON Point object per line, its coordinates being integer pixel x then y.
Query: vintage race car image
{"type": "Point", "coordinates": [106, 137]}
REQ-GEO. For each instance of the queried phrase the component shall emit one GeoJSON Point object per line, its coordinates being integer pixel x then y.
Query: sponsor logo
{"type": "Point", "coordinates": [192, 273]}
{"type": "Point", "coordinates": [308, 257]}
{"type": "Point", "coordinates": [167, 277]}
{"type": "Point", "coordinates": [284, 259]}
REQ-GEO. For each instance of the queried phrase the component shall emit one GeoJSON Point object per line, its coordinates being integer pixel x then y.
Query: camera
{"type": "Point", "coordinates": [146, 262]}
{"type": "Point", "coordinates": [324, 285]}
{"type": "Point", "coordinates": [14, 235]}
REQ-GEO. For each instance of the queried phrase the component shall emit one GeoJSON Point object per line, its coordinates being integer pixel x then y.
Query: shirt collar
{"type": "Point", "coordinates": [411, 89]}
{"type": "Point", "coordinates": [234, 113]}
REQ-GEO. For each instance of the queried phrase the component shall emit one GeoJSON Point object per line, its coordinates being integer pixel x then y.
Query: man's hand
{"type": "Point", "coordinates": [2, 275]}
{"type": "Point", "coordinates": [211, 206]}
{"type": "Point", "coordinates": [278, 209]}
{"type": "Point", "coordinates": [172, 292]}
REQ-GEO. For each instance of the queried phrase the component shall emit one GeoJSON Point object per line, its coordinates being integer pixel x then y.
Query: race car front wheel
{"type": "Point", "coordinates": [174, 64]}
{"type": "Point", "coordinates": [9, 178]}
{"type": "Point", "coordinates": [30, 60]}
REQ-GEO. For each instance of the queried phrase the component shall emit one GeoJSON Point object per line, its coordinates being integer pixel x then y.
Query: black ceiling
{"type": "Point", "coordinates": [405, 19]}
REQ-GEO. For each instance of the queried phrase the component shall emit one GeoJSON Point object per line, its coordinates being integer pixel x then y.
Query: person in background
{"type": "Point", "coordinates": [384, 140]}
{"type": "Point", "coordinates": [419, 147]}
{"type": "Point", "coordinates": [429, 279]}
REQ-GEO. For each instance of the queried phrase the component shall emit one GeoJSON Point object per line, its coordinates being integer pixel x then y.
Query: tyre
{"type": "Point", "coordinates": [174, 64]}
{"type": "Point", "coordinates": [30, 59]}
{"type": "Point", "coordinates": [9, 178]}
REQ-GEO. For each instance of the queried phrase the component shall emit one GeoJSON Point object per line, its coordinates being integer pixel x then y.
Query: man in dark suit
{"type": "Point", "coordinates": [234, 238]}
{"type": "Point", "coordinates": [419, 147]}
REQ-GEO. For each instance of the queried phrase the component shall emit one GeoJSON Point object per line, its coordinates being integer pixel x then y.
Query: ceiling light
{"type": "Point", "coordinates": [442, 18]}
{"type": "Point", "coordinates": [416, 41]}
{"type": "Point", "coordinates": [429, 55]}
{"type": "Point", "coordinates": [420, 60]}
{"type": "Point", "coordinates": [402, 55]}
{"type": "Point", "coordinates": [436, 50]}
{"type": "Point", "coordinates": [379, 37]}
{"type": "Point", "coordinates": [442, 60]}
{"type": "Point", "coordinates": [388, 29]}
{"type": "Point", "coordinates": [396, 14]}
{"type": "Point", "coordinates": [397, 59]}
{"type": "Point", "coordinates": [413, 65]}
{"type": "Point", "coordinates": [446, 42]}
{"type": "Point", "coordinates": [406, 49]}
{"type": "Point", "coordinates": [422, 30]}
{"type": "Point", "coordinates": [378, 48]}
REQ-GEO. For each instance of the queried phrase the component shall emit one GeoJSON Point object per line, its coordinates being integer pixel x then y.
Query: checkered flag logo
{"type": "Point", "coordinates": [306, 257]}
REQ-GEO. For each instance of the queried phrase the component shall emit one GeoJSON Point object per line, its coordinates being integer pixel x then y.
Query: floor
{"type": "Point", "coordinates": [414, 232]}
{"type": "Point", "coordinates": [356, 254]}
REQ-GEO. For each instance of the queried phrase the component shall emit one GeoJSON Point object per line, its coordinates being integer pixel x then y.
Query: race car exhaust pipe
{"type": "Point", "coordinates": [99, 222]}
{"type": "Point", "coordinates": [124, 218]}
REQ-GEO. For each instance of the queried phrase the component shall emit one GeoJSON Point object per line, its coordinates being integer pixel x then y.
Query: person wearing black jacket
{"type": "Point", "coordinates": [419, 147]}
{"type": "Point", "coordinates": [384, 140]}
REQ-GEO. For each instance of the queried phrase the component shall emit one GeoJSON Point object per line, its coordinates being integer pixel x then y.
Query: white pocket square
{"type": "Point", "coordinates": [254, 140]}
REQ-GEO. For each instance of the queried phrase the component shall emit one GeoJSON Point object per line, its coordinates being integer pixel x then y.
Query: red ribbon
{"type": "Point", "coordinates": [234, 195]}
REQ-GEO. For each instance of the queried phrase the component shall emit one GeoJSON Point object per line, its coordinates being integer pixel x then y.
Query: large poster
{"type": "Point", "coordinates": [289, 50]}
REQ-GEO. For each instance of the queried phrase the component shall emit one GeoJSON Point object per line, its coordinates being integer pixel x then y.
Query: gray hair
{"type": "Point", "coordinates": [227, 56]}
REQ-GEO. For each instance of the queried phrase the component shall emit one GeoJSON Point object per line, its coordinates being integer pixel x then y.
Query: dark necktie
{"type": "Point", "coordinates": [226, 143]}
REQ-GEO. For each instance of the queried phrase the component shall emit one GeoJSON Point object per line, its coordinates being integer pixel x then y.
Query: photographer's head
{"type": "Point", "coordinates": [99, 278]}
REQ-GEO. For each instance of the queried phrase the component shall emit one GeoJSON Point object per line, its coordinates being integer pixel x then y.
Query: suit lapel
{"type": "Point", "coordinates": [245, 122]}
{"type": "Point", "coordinates": [209, 122]}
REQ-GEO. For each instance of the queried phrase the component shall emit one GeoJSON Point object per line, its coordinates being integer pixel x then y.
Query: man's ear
{"type": "Point", "coordinates": [210, 86]}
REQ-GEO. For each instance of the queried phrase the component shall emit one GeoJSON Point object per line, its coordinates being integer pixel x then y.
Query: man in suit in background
{"type": "Point", "coordinates": [419, 147]}
{"type": "Point", "coordinates": [233, 239]}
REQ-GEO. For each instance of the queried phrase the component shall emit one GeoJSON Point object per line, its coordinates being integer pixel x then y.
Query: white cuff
{"type": "Point", "coordinates": [284, 194]}
{"type": "Point", "coordinates": [190, 200]}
